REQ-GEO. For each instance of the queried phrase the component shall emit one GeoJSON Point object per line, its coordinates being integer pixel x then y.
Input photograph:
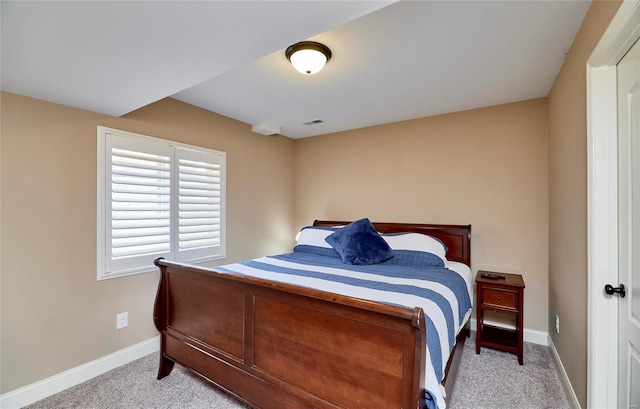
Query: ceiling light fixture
{"type": "Point", "coordinates": [308, 57]}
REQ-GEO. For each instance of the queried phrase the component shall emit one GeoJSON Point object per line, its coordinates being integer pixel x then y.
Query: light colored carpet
{"type": "Point", "coordinates": [492, 379]}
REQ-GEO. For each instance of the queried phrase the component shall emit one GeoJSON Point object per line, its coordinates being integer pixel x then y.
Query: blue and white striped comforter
{"type": "Point", "coordinates": [443, 294]}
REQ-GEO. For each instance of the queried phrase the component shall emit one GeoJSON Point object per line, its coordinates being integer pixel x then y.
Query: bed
{"type": "Point", "coordinates": [276, 344]}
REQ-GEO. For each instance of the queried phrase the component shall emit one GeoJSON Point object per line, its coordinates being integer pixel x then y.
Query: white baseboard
{"type": "Point", "coordinates": [529, 335]}
{"type": "Point", "coordinates": [57, 383]}
{"type": "Point", "coordinates": [564, 378]}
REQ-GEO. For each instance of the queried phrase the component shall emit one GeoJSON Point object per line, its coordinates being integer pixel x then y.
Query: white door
{"type": "Point", "coordinates": [629, 229]}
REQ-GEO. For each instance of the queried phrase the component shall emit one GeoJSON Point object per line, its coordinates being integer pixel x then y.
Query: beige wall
{"type": "Point", "coordinates": [486, 167]}
{"type": "Point", "coordinates": [55, 315]}
{"type": "Point", "coordinates": [568, 199]}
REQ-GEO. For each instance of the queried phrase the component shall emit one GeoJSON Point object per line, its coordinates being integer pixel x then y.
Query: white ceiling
{"type": "Point", "coordinates": [392, 61]}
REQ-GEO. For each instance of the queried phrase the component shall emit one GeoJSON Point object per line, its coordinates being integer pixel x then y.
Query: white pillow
{"type": "Point", "coordinates": [416, 242]}
{"type": "Point", "coordinates": [314, 236]}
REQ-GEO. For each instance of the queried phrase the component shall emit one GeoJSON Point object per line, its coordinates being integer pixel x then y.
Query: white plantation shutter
{"type": "Point", "coordinates": [157, 199]}
{"type": "Point", "coordinates": [140, 203]}
{"type": "Point", "coordinates": [199, 204]}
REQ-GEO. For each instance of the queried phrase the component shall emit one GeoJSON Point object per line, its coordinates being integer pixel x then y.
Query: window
{"type": "Point", "coordinates": [157, 198]}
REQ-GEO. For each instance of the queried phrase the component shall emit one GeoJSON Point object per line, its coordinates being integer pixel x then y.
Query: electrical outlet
{"type": "Point", "coordinates": [122, 320]}
{"type": "Point", "coordinates": [557, 324]}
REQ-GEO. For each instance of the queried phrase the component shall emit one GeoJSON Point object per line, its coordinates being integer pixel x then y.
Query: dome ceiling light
{"type": "Point", "coordinates": [308, 57]}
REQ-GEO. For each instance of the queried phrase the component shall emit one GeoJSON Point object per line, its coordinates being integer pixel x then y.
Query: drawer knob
{"type": "Point", "coordinates": [499, 298]}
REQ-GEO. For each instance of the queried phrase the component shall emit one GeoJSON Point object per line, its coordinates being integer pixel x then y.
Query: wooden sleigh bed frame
{"type": "Point", "coordinates": [277, 346]}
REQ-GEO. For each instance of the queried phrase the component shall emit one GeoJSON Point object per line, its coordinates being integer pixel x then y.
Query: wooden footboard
{"type": "Point", "coordinates": [279, 346]}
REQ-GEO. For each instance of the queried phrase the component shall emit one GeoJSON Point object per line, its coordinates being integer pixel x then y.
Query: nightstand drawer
{"type": "Point", "coordinates": [499, 298]}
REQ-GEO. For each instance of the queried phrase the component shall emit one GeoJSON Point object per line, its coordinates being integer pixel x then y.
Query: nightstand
{"type": "Point", "coordinates": [506, 296]}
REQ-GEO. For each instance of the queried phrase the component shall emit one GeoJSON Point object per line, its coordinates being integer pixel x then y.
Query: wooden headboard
{"type": "Point", "coordinates": [457, 238]}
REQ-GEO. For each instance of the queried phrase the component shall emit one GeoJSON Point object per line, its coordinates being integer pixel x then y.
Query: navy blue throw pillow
{"type": "Point", "coordinates": [359, 243]}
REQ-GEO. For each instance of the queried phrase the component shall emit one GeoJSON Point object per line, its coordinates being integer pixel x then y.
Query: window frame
{"type": "Point", "coordinates": [104, 208]}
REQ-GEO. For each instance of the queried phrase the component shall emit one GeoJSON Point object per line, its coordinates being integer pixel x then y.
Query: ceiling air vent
{"type": "Point", "coordinates": [314, 122]}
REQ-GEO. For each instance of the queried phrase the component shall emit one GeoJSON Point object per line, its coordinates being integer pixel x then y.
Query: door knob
{"type": "Point", "coordinates": [609, 289]}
